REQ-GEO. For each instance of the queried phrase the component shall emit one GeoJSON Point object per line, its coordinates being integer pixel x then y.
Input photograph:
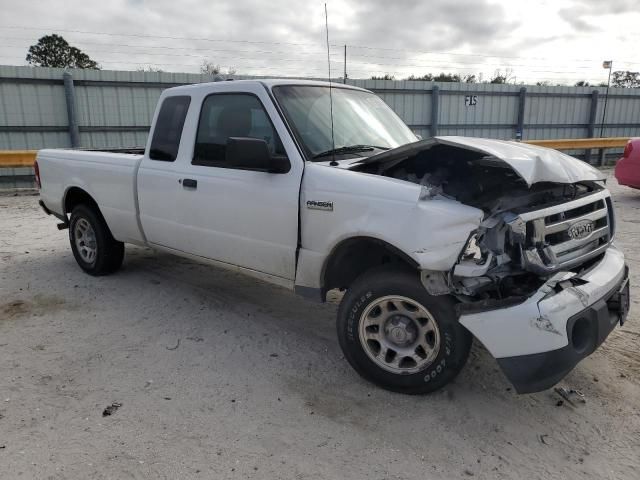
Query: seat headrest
{"type": "Point", "coordinates": [234, 121]}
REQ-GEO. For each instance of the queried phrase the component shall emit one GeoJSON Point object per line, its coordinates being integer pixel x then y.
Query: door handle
{"type": "Point", "coordinates": [189, 183]}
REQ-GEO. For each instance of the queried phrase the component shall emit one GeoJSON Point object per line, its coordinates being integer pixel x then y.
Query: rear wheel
{"type": "Point", "coordinates": [394, 334]}
{"type": "Point", "coordinates": [93, 246]}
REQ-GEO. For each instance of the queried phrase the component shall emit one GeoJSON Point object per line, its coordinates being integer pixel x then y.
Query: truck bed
{"type": "Point", "coordinates": [108, 176]}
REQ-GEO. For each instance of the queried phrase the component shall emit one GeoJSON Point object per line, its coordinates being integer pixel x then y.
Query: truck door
{"type": "Point", "coordinates": [242, 217]}
{"type": "Point", "coordinates": [157, 178]}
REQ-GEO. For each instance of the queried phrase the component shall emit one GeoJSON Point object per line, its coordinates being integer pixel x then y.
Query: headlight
{"type": "Point", "coordinates": [474, 262]}
{"type": "Point", "coordinates": [472, 251]}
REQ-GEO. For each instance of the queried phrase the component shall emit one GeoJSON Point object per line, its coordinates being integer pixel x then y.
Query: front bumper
{"type": "Point", "coordinates": [540, 340]}
{"type": "Point", "coordinates": [586, 330]}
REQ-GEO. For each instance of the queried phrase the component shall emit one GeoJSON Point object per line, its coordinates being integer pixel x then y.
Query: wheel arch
{"type": "Point", "coordinates": [74, 196]}
{"type": "Point", "coordinates": [353, 256]}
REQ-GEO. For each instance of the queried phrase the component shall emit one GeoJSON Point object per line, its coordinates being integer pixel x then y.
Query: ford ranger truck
{"type": "Point", "coordinates": [434, 242]}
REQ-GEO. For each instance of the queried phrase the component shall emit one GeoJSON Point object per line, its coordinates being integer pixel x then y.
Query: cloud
{"type": "Point", "coordinates": [598, 7]}
{"type": "Point", "coordinates": [576, 20]}
{"type": "Point", "coordinates": [434, 25]}
{"type": "Point", "coordinates": [581, 14]}
{"type": "Point", "coordinates": [408, 29]}
{"type": "Point", "coordinates": [287, 37]}
{"type": "Point", "coordinates": [410, 24]}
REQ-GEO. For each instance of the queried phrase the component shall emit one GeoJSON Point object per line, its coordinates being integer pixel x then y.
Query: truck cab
{"type": "Point", "coordinates": [203, 194]}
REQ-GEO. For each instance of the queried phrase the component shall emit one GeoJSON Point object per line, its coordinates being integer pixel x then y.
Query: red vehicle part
{"type": "Point", "coordinates": [36, 171]}
{"type": "Point", "coordinates": [628, 167]}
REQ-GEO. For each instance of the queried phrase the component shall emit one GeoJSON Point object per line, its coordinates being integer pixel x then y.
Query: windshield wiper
{"type": "Point", "coordinates": [349, 149]}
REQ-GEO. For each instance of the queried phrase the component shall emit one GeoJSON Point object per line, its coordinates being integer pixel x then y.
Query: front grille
{"type": "Point", "coordinates": [566, 235]}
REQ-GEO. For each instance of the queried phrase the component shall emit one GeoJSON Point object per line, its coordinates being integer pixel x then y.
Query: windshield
{"type": "Point", "coordinates": [359, 119]}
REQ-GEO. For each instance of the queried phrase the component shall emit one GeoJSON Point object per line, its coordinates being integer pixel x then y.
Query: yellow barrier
{"type": "Point", "coordinates": [17, 158]}
{"type": "Point", "coordinates": [25, 158]}
{"type": "Point", "coordinates": [581, 143]}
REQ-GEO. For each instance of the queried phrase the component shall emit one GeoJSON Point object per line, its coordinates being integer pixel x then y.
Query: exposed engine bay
{"type": "Point", "coordinates": [529, 232]}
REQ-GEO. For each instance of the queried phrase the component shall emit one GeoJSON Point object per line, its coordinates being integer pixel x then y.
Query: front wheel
{"type": "Point", "coordinates": [396, 335]}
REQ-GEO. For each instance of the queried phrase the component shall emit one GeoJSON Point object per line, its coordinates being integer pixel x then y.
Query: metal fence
{"type": "Point", "coordinates": [48, 107]}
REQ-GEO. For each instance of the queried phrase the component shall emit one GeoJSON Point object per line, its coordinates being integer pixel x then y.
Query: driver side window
{"type": "Point", "coordinates": [226, 115]}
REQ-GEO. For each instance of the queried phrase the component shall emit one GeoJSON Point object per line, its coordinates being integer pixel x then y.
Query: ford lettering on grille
{"type": "Point", "coordinates": [580, 230]}
{"type": "Point", "coordinates": [565, 235]}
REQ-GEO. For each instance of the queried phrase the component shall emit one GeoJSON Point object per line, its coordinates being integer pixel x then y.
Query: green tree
{"type": "Point", "coordinates": [506, 77]}
{"type": "Point", "coordinates": [209, 68]}
{"type": "Point", "coordinates": [149, 69]}
{"type": "Point", "coordinates": [582, 83]}
{"type": "Point", "coordinates": [626, 79]}
{"type": "Point", "coordinates": [444, 77]}
{"type": "Point", "coordinates": [55, 51]}
{"type": "Point", "coordinates": [386, 76]}
{"type": "Point", "coordinates": [427, 77]}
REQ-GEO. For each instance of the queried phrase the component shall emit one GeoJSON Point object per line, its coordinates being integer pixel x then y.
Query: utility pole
{"type": "Point", "coordinates": [606, 64]}
{"type": "Point", "coordinates": [344, 79]}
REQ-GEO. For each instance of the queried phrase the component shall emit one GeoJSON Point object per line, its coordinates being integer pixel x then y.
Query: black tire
{"type": "Point", "coordinates": [454, 340]}
{"type": "Point", "coordinates": [109, 252]}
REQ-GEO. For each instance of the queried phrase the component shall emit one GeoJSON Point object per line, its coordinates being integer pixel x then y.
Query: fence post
{"type": "Point", "coordinates": [592, 123]}
{"type": "Point", "coordinates": [521, 105]}
{"type": "Point", "coordinates": [70, 98]}
{"type": "Point", "coordinates": [435, 101]}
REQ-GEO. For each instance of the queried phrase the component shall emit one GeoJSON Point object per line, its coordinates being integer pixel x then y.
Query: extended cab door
{"type": "Point", "coordinates": [157, 178]}
{"type": "Point", "coordinates": [241, 217]}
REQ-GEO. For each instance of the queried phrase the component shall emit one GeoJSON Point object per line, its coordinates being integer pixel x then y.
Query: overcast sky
{"type": "Point", "coordinates": [560, 41]}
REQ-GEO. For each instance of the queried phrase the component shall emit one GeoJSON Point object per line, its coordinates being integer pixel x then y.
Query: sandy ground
{"type": "Point", "coordinates": [220, 376]}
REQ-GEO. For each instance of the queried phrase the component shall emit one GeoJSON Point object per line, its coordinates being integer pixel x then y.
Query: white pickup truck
{"type": "Point", "coordinates": [317, 187]}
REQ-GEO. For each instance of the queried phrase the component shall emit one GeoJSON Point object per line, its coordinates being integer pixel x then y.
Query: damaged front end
{"type": "Point", "coordinates": [539, 282]}
{"type": "Point", "coordinates": [517, 249]}
{"type": "Point", "coordinates": [532, 227]}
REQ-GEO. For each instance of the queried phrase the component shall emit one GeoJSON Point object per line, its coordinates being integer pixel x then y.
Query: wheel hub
{"type": "Point", "coordinates": [85, 240]}
{"type": "Point", "coordinates": [399, 334]}
{"type": "Point", "coordinates": [401, 330]}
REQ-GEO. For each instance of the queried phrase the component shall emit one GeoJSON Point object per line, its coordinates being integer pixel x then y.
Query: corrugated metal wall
{"type": "Point", "coordinates": [549, 112]}
{"type": "Point", "coordinates": [114, 108]}
{"type": "Point", "coordinates": [33, 111]}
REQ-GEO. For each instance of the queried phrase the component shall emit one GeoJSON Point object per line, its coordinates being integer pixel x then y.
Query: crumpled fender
{"type": "Point", "coordinates": [431, 231]}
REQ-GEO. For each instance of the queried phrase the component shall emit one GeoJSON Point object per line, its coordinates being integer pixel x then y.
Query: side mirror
{"type": "Point", "coordinates": [253, 154]}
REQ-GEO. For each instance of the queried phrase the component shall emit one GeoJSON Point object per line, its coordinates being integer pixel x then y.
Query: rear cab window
{"type": "Point", "coordinates": [168, 128]}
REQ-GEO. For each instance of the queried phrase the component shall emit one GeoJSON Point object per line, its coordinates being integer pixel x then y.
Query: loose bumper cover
{"type": "Point", "coordinates": [539, 341]}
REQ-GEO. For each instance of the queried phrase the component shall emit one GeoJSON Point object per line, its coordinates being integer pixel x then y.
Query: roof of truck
{"type": "Point", "coordinates": [269, 83]}
{"type": "Point", "coordinates": [272, 82]}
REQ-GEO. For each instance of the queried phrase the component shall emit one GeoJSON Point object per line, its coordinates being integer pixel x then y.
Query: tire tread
{"type": "Point", "coordinates": [398, 280]}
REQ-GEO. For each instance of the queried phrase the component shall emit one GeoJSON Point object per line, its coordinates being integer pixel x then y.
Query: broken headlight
{"type": "Point", "coordinates": [474, 261]}
{"type": "Point", "coordinates": [472, 251]}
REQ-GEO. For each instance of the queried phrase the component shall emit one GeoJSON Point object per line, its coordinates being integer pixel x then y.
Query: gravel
{"type": "Point", "coordinates": [208, 374]}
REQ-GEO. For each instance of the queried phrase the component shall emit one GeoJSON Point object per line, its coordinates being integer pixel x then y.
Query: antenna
{"type": "Point", "coordinates": [333, 141]}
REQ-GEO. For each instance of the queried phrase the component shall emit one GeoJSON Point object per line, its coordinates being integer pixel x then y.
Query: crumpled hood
{"type": "Point", "coordinates": [534, 164]}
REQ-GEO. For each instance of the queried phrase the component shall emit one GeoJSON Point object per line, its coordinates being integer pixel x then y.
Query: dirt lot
{"type": "Point", "coordinates": [220, 376]}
